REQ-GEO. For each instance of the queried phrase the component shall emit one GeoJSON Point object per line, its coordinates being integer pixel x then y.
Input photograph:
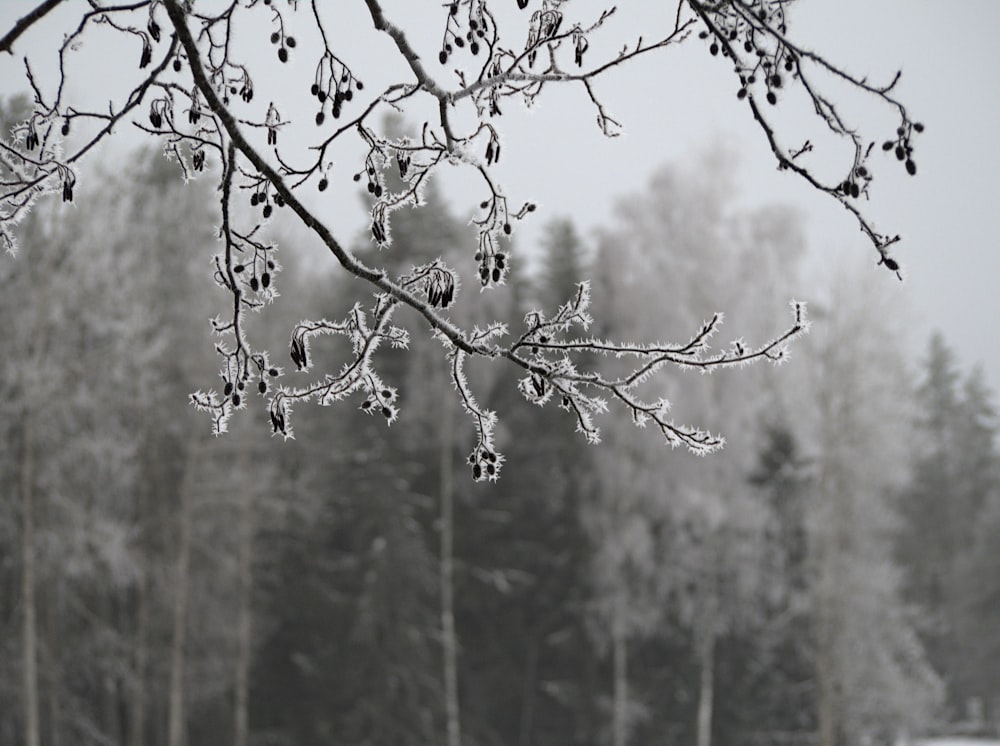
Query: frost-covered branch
{"type": "Point", "coordinates": [197, 91]}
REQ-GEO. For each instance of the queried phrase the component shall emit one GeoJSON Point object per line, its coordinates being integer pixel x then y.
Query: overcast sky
{"type": "Point", "coordinates": [681, 101]}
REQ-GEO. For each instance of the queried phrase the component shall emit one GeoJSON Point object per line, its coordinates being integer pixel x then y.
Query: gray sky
{"type": "Point", "coordinates": [678, 102]}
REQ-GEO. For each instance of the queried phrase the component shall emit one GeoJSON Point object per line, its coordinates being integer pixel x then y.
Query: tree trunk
{"type": "Point", "coordinates": [244, 623]}
{"type": "Point", "coordinates": [825, 688]}
{"type": "Point", "coordinates": [706, 691]}
{"type": "Point", "coordinates": [449, 643]}
{"type": "Point", "coordinates": [176, 715]}
{"type": "Point", "coordinates": [53, 610]}
{"type": "Point", "coordinates": [29, 629]}
{"type": "Point", "coordinates": [619, 654]}
{"type": "Point", "coordinates": [137, 724]}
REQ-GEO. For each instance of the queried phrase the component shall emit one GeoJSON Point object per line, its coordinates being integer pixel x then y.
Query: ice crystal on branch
{"type": "Point", "coordinates": [197, 87]}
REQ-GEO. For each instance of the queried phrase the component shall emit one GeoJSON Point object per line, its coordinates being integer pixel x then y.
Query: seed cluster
{"type": "Point", "coordinates": [458, 37]}
{"type": "Point", "coordinates": [902, 146]}
{"type": "Point", "coordinates": [334, 85]}
{"type": "Point", "coordinates": [484, 463]}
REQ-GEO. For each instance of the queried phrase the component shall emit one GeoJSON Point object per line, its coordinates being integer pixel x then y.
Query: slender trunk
{"type": "Point", "coordinates": [825, 688]}
{"type": "Point", "coordinates": [449, 644]}
{"type": "Point", "coordinates": [706, 691]}
{"type": "Point", "coordinates": [528, 691]}
{"type": "Point", "coordinates": [137, 725]}
{"type": "Point", "coordinates": [53, 607]}
{"type": "Point", "coordinates": [241, 709]}
{"type": "Point", "coordinates": [109, 682]}
{"type": "Point", "coordinates": [29, 642]}
{"type": "Point", "coordinates": [619, 654]}
{"type": "Point", "coordinates": [176, 715]}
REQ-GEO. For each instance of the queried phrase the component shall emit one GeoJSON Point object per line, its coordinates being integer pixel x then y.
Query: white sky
{"type": "Point", "coordinates": [680, 101]}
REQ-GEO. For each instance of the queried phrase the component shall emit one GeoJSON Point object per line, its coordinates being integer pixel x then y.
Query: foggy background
{"type": "Point", "coordinates": [835, 566]}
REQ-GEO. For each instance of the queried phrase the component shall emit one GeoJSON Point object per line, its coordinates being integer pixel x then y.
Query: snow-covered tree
{"type": "Point", "coordinates": [266, 98]}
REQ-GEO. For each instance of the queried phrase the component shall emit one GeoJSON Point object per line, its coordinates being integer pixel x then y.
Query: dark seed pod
{"type": "Point", "coordinates": [474, 48]}
{"type": "Point", "coordinates": [254, 284]}
{"type": "Point", "coordinates": [273, 372]}
{"type": "Point", "coordinates": [771, 98]}
{"type": "Point", "coordinates": [267, 211]}
{"type": "Point", "coordinates": [238, 268]}
{"type": "Point", "coordinates": [323, 183]}
{"type": "Point", "coordinates": [378, 190]}
{"type": "Point", "coordinates": [280, 202]}
{"type": "Point", "coordinates": [262, 387]}
{"type": "Point", "coordinates": [359, 85]}
{"type": "Point", "coordinates": [500, 260]}
{"type": "Point", "coordinates": [855, 189]}
{"type": "Point", "coordinates": [228, 389]}
{"type": "Point", "coordinates": [386, 412]}
{"type": "Point", "coordinates": [265, 279]}
{"type": "Point", "coordinates": [283, 54]}
{"type": "Point", "coordinates": [442, 57]}
{"type": "Point", "coordinates": [776, 80]}
{"type": "Point", "coordinates": [741, 93]}
{"type": "Point", "coordinates": [714, 49]}
{"type": "Point", "coordinates": [65, 128]}
{"type": "Point", "coordinates": [459, 42]}
{"type": "Point", "coordinates": [890, 263]}
{"type": "Point", "coordinates": [348, 95]}
{"type": "Point", "coordinates": [275, 37]}
{"type": "Point", "coordinates": [236, 400]}
{"type": "Point", "coordinates": [491, 469]}
{"type": "Point", "coordinates": [314, 90]}
{"type": "Point", "coordinates": [366, 404]}
{"type": "Point", "coordinates": [887, 145]}
{"type": "Point", "coordinates": [918, 126]}
{"type": "Point", "coordinates": [240, 385]}
{"type": "Point", "coordinates": [320, 118]}
{"type": "Point", "coordinates": [254, 199]}
{"type": "Point", "coordinates": [290, 41]}
{"type": "Point", "coordinates": [371, 187]}
{"type": "Point", "coordinates": [177, 65]}
{"type": "Point", "coordinates": [900, 153]}
{"type": "Point", "coordinates": [496, 274]}
{"type": "Point", "coordinates": [506, 228]}
{"type": "Point", "coordinates": [911, 168]}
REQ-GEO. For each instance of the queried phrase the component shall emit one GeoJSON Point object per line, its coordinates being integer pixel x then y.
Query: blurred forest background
{"type": "Point", "coordinates": [829, 578]}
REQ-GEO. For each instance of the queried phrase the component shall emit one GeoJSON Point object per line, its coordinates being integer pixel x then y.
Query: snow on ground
{"type": "Point", "coordinates": [958, 741]}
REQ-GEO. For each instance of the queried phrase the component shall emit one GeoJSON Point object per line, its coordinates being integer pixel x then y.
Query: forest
{"type": "Point", "coordinates": [828, 578]}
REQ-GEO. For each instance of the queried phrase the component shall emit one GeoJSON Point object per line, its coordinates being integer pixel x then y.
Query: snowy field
{"type": "Point", "coordinates": [958, 742]}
